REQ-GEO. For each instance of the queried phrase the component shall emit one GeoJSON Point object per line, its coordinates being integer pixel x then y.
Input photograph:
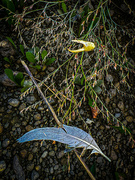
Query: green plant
{"type": "Point", "coordinates": [18, 79]}
{"type": "Point", "coordinates": [38, 59]}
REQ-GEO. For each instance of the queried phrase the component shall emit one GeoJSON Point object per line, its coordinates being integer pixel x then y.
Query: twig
{"type": "Point", "coordinates": [84, 165]}
{"type": "Point", "coordinates": [40, 92]}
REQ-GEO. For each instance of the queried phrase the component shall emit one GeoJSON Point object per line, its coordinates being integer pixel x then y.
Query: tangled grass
{"type": "Point", "coordinates": [52, 26]}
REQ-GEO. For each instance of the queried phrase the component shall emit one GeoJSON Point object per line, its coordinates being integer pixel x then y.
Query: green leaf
{"type": "Point", "coordinates": [9, 73]}
{"type": "Point", "coordinates": [49, 61]}
{"type": "Point", "coordinates": [79, 81]}
{"type": "Point", "coordinates": [99, 82]}
{"type": "Point", "coordinates": [22, 49]}
{"type": "Point", "coordinates": [117, 176]}
{"type": "Point", "coordinates": [43, 54]}
{"type": "Point", "coordinates": [19, 78]}
{"type": "Point", "coordinates": [64, 7]}
{"type": "Point", "coordinates": [7, 59]}
{"type": "Point", "coordinates": [12, 42]}
{"type": "Point", "coordinates": [93, 169]}
{"type": "Point", "coordinates": [22, 82]}
{"type": "Point", "coordinates": [10, 5]}
{"type": "Point", "coordinates": [90, 101]}
{"type": "Point", "coordinates": [97, 89]}
{"type": "Point", "coordinates": [38, 67]}
{"type": "Point", "coordinates": [30, 57]}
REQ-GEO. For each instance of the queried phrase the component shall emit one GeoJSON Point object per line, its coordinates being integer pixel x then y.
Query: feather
{"type": "Point", "coordinates": [73, 137]}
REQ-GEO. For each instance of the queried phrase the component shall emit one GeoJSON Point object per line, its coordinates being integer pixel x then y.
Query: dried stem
{"type": "Point", "coordinates": [40, 92]}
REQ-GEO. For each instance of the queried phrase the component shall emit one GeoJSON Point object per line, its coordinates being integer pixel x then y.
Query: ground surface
{"type": "Point", "coordinates": [44, 160]}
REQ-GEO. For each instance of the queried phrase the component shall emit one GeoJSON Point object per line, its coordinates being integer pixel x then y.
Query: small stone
{"type": "Point", "coordinates": [38, 168]}
{"type": "Point", "coordinates": [37, 123]}
{"type": "Point", "coordinates": [5, 143]}
{"type": "Point", "coordinates": [102, 127]}
{"type": "Point", "coordinates": [82, 112]}
{"type": "Point", "coordinates": [30, 167]}
{"type": "Point", "coordinates": [37, 117]}
{"type": "Point", "coordinates": [121, 105]}
{"type": "Point", "coordinates": [61, 154]}
{"type": "Point", "coordinates": [20, 175]}
{"type": "Point", "coordinates": [80, 174]}
{"type": "Point", "coordinates": [112, 92]}
{"type": "Point", "coordinates": [51, 153]}
{"type": "Point", "coordinates": [99, 159]}
{"type": "Point", "coordinates": [117, 115]}
{"type": "Point", "coordinates": [30, 99]}
{"type": "Point", "coordinates": [51, 170]}
{"type": "Point", "coordinates": [129, 119]}
{"type": "Point", "coordinates": [30, 157]}
{"type": "Point", "coordinates": [63, 161]}
{"type": "Point", "coordinates": [109, 78]}
{"type": "Point", "coordinates": [22, 106]}
{"type": "Point", "coordinates": [50, 69]}
{"type": "Point", "coordinates": [113, 155]}
{"type": "Point", "coordinates": [2, 166]}
{"type": "Point", "coordinates": [23, 153]}
{"type": "Point", "coordinates": [107, 100]}
{"type": "Point", "coordinates": [34, 175]}
{"type": "Point", "coordinates": [44, 154]}
{"type": "Point", "coordinates": [35, 149]}
{"type": "Point", "coordinates": [56, 167]}
{"type": "Point", "coordinates": [13, 102]}
{"type": "Point", "coordinates": [29, 128]}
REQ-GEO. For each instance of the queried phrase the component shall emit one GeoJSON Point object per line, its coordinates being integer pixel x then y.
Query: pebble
{"type": "Point", "coordinates": [13, 102]}
{"type": "Point", "coordinates": [30, 99]}
{"type": "Point", "coordinates": [2, 166]}
{"type": "Point", "coordinates": [38, 168]}
{"type": "Point", "coordinates": [121, 105]}
{"type": "Point", "coordinates": [51, 153]}
{"type": "Point", "coordinates": [5, 143]}
{"type": "Point", "coordinates": [34, 175]}
{"type": "Point", "coordinates": [112, 92]}
{"type": "Point", "coordinates": [44, 154]}
{"type": "Point", "coordinates": [56, 167]}
{"type": "Point", "coordinates": [29, 128]}
{"type": "Point", "coordinates": [109, 78]}
{"type": "Point", "coordinates": [129, 119]}
{"type": "Point", "coordinates": [99, 160]}
{"type": "Point", "coordinates": [20, 175]}
{"type": "Point", "coordinates": [30, 157]}
{"type": "Point", "coordinates": [22, 106]}
{"type": "Point", "coordinates": [50, 69]}
{"type": "Point", "coordinates": [37, 117]}
{"type": "Point", "coordinates": [30, 167]}
{"type": "Point", "coordinates": [51, 170]}
{"type": "Point", "coordinates": [35, 149]}
{"type": "Point", "coordinates": [23, 153]}
{"type": "Point", "coordinates": [117, 115]}
{"type": "Point", "coordinates": [113, 155]}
